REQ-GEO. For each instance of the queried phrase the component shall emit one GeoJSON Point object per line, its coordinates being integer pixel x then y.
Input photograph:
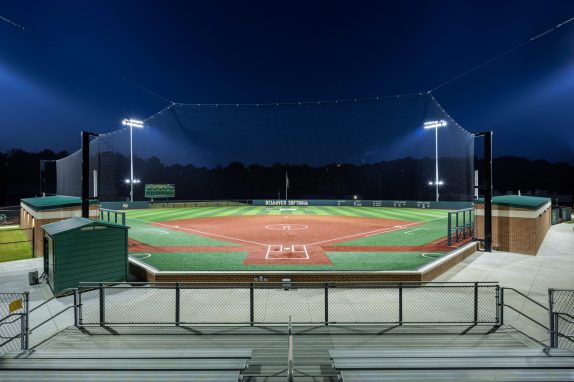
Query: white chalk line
{"type": "Point", "coordinates": [375, 232]}
{"type": "Point", "coordinates": [204, 233]}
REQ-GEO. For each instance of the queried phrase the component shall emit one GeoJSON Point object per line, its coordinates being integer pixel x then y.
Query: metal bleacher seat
{"type": "Point", "coordinates": [465, 364]}
{"type": "Point", "coordinates": [134, 365]}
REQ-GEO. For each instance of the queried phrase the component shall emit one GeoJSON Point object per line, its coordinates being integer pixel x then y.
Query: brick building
{"type": "Point", "coordinates": [519, 223]}
{"type": "Point", "coordinates": [35, 212]}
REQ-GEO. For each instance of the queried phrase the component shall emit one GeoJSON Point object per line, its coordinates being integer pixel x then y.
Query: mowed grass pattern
{"type": "Point", "coordinates": [166, 214]}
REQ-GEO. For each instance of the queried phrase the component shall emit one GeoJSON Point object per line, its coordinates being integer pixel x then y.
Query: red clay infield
{"type": "Point", "coordinates": [286, 239]}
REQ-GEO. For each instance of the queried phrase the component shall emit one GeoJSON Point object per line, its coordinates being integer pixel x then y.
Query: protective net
{"type": "Point", "coordinates": [370, 148]}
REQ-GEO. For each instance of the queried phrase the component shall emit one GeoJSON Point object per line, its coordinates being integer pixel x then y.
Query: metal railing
{"type": "Point", "coordinates": [463, 225]}
{"type": "Point", "coordinates": [520, 312]}
{"type": "Point", "coordinates": [14, 321]}
{"type": "Point", "coordinates": [273, 303]}
{"type": "Point", "coordinates": [112, 216]}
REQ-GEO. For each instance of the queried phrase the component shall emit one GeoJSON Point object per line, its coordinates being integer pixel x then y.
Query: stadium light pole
{"type": "Point", "coordinates": [138, 124]}
{"type": "Point", "coordinates": [435, 125]}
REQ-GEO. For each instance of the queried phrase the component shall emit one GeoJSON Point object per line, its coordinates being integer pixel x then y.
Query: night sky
{"type": "Point", "coordinates": [61, 74]}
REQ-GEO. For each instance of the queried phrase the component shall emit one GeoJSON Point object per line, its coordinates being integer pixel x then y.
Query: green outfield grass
{"type": "Point", "coordinates": [165, 214]}
{"type": "Point", "coordinates": [233, 261]}
{"type": "Point", "coordinates": [14, 245]}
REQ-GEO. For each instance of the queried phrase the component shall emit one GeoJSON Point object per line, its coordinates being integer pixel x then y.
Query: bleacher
{"type": "Point", "coordinates": [149, 364]}
{"type": "Point", "coordinates": [259, 353]}
{"type": "Point", "coordinates": [454, 364]}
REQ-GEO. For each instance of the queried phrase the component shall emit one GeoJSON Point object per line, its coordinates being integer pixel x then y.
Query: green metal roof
{"type": "Point", "coordinates": [518, 201]}
{"type": "Point", "coordinates": [62, 226]}
{"type": "Point", "coordinates": [51, 202]}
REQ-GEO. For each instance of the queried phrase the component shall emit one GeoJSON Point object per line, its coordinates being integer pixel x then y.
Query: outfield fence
{"type": "Point", "coordinates": [9, 215]}
{"type": "Point", "coordinates": [275, 303]}
{"type": "Point", "coordinates": [13, 322]}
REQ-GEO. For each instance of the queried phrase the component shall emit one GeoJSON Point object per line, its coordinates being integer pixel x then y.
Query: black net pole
{"type": "Point", "coordinates": [86, 173]}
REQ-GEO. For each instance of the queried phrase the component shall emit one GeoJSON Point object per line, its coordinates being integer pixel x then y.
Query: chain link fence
{"type": "Point", "coordinates": [275, 303]}
{"type": "Point", "coordinates": [562, 318]}
{"type": "Point", "coordinates": [10, 215]}
{"type": "Point", "coordinates": [13, 322]}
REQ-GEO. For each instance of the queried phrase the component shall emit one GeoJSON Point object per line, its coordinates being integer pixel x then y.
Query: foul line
{"type": "Point", "coordinates": [203, 233]}
{"type": "Point", "coordinates": [375, 232]}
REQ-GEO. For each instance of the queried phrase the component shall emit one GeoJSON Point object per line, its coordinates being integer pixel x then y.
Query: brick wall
{"type": "Point", "coordinates": [515, 234]}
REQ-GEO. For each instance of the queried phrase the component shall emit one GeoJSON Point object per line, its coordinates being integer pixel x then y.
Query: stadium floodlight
{"type": "Point", "coordinates": [435, 125]}
{"type": "Point", "coordinates": [138, 124]}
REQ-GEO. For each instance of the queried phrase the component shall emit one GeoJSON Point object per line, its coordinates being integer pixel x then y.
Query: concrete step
{"type": "Point", "coordinates": [508, 375]}
{"type": "Point", "coordinates": [117, 376]}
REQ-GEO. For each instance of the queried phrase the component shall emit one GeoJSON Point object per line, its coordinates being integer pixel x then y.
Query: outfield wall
{"type": "Point", "coordinates": [365, 203]}
{"type": "Point", "coordinates": [447, 205]}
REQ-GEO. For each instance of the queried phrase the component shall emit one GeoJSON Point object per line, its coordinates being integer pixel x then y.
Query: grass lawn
{"type": "Point", "coordinates": [233, 261]}
{"type": "Point", "coordinates": [14, 245]}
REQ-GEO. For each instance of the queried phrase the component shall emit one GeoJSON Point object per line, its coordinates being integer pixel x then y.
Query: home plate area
{"type": "Point", "coordinates": [289, 251]}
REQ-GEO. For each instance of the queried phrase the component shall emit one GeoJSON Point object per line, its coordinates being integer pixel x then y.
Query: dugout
{"type": "Point", "coordinates": [36, 212]}
{"type": "Point", "coordinates": [80, 249]}
{"type": "Point", "coordinates": [519, 223]}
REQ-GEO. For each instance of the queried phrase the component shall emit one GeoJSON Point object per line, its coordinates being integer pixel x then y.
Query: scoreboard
{"type": "Point", "coordinates": [160, 191]}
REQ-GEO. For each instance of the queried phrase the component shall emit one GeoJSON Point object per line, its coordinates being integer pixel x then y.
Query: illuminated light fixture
{"type": "Point", "coordinates": [138, 124]}
{"type": "Point", "coordinates": [133, 123]}
{"type": "Point", "coordinates": [135, 181]}
{"type": "Point", "coordinates": [435, 125]}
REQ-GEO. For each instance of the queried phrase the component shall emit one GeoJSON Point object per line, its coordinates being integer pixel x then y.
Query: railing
{"type": "Point", "coordinates": [290, 359]}
{"type": "Point", "coordinates": [529, 299]}
{"type": "Point", "coordinates": [463, 225]}
{"type": "Point", "coordinates": [13, 321]}
{"type": "Point", "coordinates": [273, 303]}
{"type": "Point", "coordinates": [112, 216]}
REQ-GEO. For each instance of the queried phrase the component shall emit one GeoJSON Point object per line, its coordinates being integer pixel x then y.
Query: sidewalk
{"type": "Point", "coordinates": [553, 267]}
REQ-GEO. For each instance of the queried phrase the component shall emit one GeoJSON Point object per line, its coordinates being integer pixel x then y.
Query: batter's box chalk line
{"type": "Point", "coordinates": [286, 227]}
{"type": "Point", "coordinates": [275, 252]}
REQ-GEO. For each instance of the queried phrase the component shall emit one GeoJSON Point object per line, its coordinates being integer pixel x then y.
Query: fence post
{"type": "Point", "coordinates": [251, 307]}
{"type": "Point", "coordinates": [80, 319]}
{"type": "Point", "coordinates": [76, 308]}
{"type": "Point", "coordinates": [556, 330]}
{"type": "Point", "coordinates": [102, 306]}
{"type": "Point", "coordinates": [449, 230]}
{"type": "Point", "coordinates": [475, 303]}
{"type": "Point", "coordinates": [34, 242]}
{"type": "Point", "coordinates": [400, 303]}
{"type": "Point", "coordinates": [177, 304]}
{"type": "Point", "coordinates": [124, 218]}
{"type": "Point", "coordinates": [553, 343]}
{"type": "Point", "coordinates": [501, 314]}
{"type": "Point", "coordinates": [326, 304]}
{"type": "Point", "coordinates": [24, 323]}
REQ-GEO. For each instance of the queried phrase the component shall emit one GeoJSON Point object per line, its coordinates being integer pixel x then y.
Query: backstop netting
{"type": "Point", "coordinates": [370, 148]}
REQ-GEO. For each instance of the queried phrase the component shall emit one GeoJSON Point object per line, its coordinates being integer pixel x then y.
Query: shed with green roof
{"type": "Point", "coordinates": [79, 249]}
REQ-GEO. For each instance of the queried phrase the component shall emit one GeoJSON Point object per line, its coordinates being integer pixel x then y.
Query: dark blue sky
{"type": "Point", "coordinates": [52, 84]}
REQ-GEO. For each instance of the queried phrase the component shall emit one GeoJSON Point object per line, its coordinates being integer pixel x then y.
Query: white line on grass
{"type": "Point", "coordinates": [206, 233]}
{"type": "Point", "coordinates": [375, 232]}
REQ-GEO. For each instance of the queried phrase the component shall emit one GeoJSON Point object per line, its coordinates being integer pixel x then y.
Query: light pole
{"type": "Point", "coordinates": [139, 124]}
{"type": "Point", "coordinates": [435, 125]}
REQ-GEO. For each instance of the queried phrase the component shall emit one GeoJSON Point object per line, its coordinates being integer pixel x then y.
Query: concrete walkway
{"type": "Point", "coordinates": [553, 267]}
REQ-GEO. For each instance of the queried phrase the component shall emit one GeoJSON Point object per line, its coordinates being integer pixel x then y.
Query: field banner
{"type": "Point", "coordinates": [362, 203]}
